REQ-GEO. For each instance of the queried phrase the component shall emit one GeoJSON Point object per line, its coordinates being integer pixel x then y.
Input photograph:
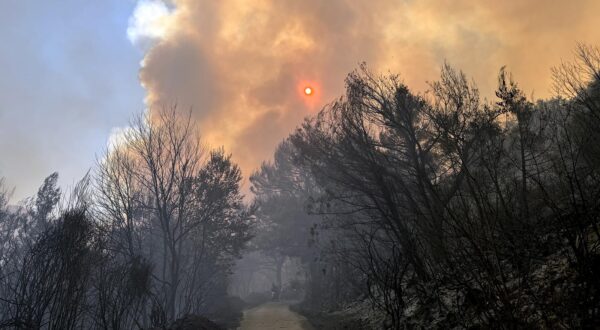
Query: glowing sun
{"type": "Point", "coordinates": [308, 91]}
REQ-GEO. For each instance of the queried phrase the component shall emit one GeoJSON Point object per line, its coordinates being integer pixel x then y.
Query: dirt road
{"type": "Point", "coordinates": [273, 315]}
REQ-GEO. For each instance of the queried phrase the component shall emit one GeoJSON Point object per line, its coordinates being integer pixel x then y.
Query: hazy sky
{"type": "Point", "coordinates": [69, 69]}
{"type": "Point", "coordinates": [68, 75]}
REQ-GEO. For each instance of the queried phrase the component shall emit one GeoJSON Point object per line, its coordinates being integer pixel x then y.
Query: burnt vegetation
{"type": "Point", "coordinates": [148, 238]}
{"type": "Point", "coordinates": [444, 210]}
{"type": "Point", "coordinates": [387, 208]}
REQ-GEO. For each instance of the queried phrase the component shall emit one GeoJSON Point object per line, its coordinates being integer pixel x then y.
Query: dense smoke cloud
{"type": "Point", "coordinates": [241, 65]}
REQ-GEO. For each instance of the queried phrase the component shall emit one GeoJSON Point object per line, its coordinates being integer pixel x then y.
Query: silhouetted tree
{"type": "Point", "coordinates": [163, 200]}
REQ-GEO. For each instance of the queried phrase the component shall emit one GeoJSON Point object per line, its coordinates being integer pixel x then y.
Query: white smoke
{"type": "Point", "coordinates": [148, 23]}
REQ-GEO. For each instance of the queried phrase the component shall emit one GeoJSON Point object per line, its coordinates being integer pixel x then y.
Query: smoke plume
{"type": "Point", "coordinates": [242, 64]}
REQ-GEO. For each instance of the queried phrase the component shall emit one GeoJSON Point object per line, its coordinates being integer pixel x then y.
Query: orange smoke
{"type": "Point", "coordinates": [242, 65]}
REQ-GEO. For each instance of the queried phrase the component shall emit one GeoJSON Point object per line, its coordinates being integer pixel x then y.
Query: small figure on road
{"type": "Point", "coordinates": [275, 291]}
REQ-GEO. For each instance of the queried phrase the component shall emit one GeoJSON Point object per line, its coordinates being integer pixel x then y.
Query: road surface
{"type": "Point", "coordinates": [273, 315]}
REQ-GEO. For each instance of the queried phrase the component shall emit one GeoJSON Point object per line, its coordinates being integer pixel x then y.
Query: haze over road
{"type": "Point", "coordinates": [273, 315]}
